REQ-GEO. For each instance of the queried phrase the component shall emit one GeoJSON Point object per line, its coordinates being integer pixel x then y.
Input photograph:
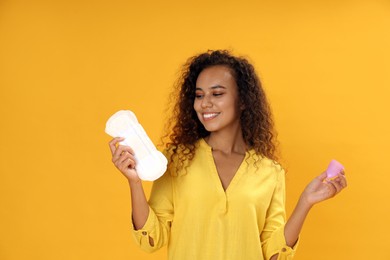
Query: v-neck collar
{"type": "Point", "coordinates": [214, 172]}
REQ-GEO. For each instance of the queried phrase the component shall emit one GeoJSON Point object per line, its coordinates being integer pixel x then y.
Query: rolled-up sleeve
{"type": "Point", "coordinates": [272, 236]}
{"type": "Point", "coordinates": [158, 223]}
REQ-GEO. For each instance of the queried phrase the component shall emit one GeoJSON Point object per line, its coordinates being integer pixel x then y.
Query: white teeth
{"type": "Point", "coordinates": [209, 115]}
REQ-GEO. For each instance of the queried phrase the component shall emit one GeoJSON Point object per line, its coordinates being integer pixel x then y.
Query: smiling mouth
{"type": "Point", "coordinates": [209, 116]}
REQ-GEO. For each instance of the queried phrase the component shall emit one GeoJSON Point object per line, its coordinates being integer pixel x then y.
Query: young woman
{"type": "Point", "coordinates": [223, 195]}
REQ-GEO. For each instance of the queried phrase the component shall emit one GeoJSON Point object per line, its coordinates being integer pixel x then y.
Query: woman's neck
{"type": "Point", "coordinates": [227, 142]}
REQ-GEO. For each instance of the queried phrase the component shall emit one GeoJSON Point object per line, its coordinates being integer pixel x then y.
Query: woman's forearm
{"type": "Point", "coordinates": [139, 204]}
{"type": "Point", "coordinates": [294, 224]}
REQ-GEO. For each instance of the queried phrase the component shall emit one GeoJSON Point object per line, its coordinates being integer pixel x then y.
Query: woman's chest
{"type": "Point", "coordinates": [201, 189]}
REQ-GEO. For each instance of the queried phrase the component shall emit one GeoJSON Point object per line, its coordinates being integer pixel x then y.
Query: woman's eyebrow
{"type": "Point", "coordinates": [217, 86]}
{"type": "Point", "coordinates": [213, 87]}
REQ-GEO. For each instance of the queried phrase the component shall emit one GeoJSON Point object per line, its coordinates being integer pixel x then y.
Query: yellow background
{"type": "Point", "coordinates": [66, 66]}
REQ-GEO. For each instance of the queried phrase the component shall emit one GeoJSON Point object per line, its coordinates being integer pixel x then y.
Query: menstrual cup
{"type": "Point", "coordinates": [334, 169]}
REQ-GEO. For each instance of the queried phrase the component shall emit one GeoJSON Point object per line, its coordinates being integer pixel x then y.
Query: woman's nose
{"type": "Point", "coordinates": [206, 102]}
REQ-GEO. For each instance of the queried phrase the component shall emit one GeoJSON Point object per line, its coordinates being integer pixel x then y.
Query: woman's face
{"type": "Point", "coordinates": [216, 99]}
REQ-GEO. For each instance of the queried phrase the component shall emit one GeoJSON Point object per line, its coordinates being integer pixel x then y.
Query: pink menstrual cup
{"type": "Point", "coordinates": [334, 169]}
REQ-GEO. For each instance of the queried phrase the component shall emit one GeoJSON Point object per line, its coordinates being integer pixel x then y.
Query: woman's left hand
{"type": "Point", "coordinates": [321, 188]}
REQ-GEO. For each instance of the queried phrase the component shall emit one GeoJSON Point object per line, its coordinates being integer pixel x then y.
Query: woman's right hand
{"type": "Point", "coordinates": [123, 159]}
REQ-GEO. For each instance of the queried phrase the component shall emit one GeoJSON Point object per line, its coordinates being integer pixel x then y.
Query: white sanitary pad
{"type": "Point", "coordinates": [150, 163]}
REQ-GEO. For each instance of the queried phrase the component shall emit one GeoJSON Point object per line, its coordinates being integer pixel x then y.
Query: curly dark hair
{"type": "Point", "coordinates": [256, 118]}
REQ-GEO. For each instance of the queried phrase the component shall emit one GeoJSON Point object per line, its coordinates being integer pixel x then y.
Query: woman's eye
{"type": "Point", "coordinates": [217, 94]}
{"type": "Point", "coordinates": [198, 96]}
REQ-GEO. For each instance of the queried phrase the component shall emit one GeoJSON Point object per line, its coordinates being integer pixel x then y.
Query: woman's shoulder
{"type": "Point", "coordinates": [265, 165]}
{"type": "Point", "coordinates": [179, 157]}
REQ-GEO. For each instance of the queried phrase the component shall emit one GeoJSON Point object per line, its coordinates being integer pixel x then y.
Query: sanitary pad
{"type": "Point", "coordinates": [150, 163]}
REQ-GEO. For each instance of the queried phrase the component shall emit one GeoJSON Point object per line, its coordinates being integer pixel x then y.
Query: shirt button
{"type": "Point", "coordinates": [144, 233]}
{"type": "Point", "coordinates": [284, 249]}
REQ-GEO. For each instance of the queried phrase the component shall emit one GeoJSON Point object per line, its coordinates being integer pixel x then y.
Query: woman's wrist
{"type": "Point", "coordinates": [304, 203]}
{"type": "Point", "coordinates": [134, 183]}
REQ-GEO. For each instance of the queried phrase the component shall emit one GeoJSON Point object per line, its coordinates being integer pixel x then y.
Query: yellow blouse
{"type": "Point", "coordinates": [198, 220]}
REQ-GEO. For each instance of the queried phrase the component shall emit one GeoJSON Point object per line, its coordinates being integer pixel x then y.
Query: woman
{"type": "Point", "coordinates": [223, 196]}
